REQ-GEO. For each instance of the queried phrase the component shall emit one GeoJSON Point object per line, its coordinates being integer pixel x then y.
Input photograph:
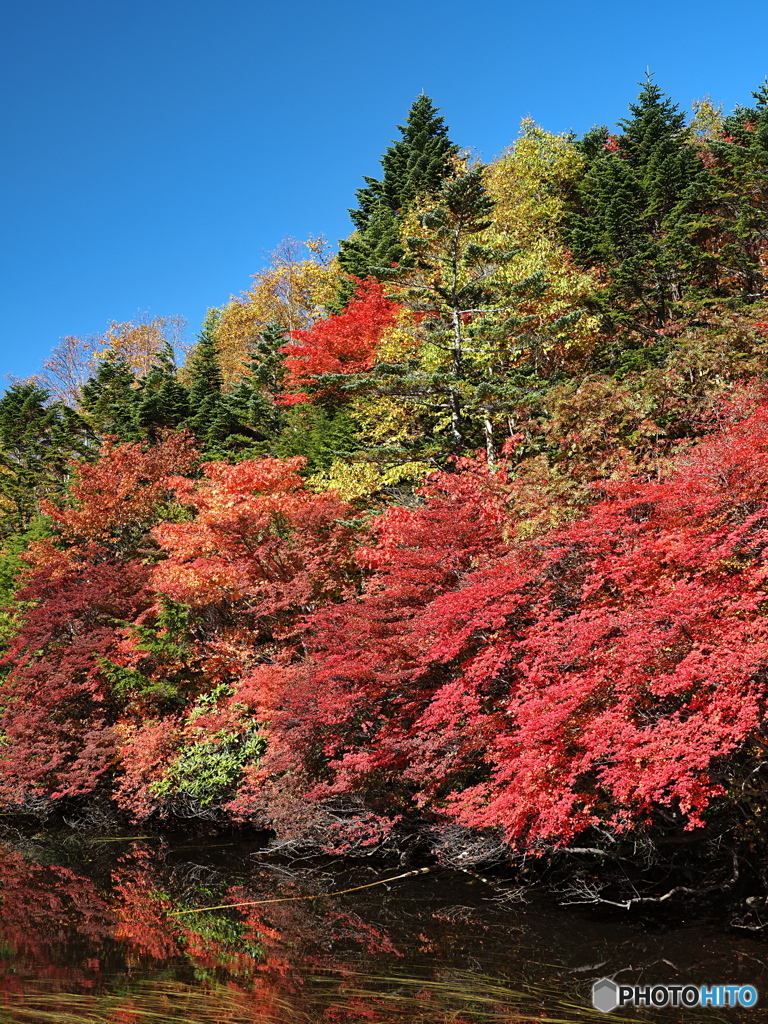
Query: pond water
{"type": "Point", "coordinates": [111, 930]}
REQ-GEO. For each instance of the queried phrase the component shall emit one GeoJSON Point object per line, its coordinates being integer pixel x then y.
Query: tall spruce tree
{"type": "Point", "coordinates": [252, 400]}
{"type": "Point", "coordinates": [637, 211]}
{"type": "Point", "coordinates": [211, 419]}
{"type": "Point", "coordinates": [109, 398]}
{"type": "Point", "coordinates": [739, 165]}
{"type": "Point", "coordinates": [415, 165]}
{"type": "Point", "coordinates": [163, 403]}
{"type": "Point", "coordinates": [38, 438]}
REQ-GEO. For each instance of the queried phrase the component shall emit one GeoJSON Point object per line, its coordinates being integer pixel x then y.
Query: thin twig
{"type": "Point", "coordinates": [318, 896]}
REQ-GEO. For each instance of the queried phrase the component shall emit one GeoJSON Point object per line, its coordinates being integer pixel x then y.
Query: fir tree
{"type": "Point", "coordinates": [415, 165]}
{"type": "Point", "coordinates": [469, 323]}
{"type": "Point", "coordinates": [211, 418]}
{"type": "Point", "coordinates": [109, 398]}
{"type": "Point", "coordinates": [321, 435]}
{"type": "Point", "coordinates": [38, 439]}
{"type": "Point", "coordinates": [739, 164]}
{"type": "Point", "coordinates": [163, 403]}
{"type": "Point", "coordinates": [638, 211]}
{"type": "Point", "coordinates": [253, 398]}
{"type": "Point", "coordinates": [205, 376]}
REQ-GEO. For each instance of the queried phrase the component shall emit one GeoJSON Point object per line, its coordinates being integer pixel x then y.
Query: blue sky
{"type": "Point", "coordinates": [153, 152]}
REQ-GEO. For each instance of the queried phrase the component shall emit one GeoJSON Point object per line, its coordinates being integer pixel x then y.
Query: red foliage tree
{"type": "Point", "coordinates": [345, 343]}
{"type": "Point", "coordinates": [58, 716]}
{"type": "Point", "coordinates": [609, 670]}
{"type": "Point", "coordinates": [260, 552]}
{"type": "Point", "coordinates": [260, 540]}
{"type": "Point", "coordinates": [352, 704]}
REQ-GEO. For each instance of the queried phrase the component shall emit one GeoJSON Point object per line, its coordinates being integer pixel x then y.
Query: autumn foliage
{"type": "Point", "coordinates": [602, 673]}
{"type": "Point", "coordinates": [344, 343]}
{"type": "Point", "coordinates": [59, 713]}
{"type": "Point", "coordinates": [594, 676]}
{"type": "Point", "coordinates": [534, 608]}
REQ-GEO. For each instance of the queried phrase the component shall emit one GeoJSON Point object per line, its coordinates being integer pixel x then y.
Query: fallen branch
{"type": "Point", "coordinates": [317, 896]}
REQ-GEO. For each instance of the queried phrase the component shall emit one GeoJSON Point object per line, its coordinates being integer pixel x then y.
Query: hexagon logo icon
{"type": "Point", "coordinates": [605, 995]}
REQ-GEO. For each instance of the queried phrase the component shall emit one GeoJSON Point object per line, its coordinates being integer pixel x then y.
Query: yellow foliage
{"type": "Point", "coordinates": [292, 290]}
{"type": "Point", "coordinates": [530, 185]}
{"type": "Point", "coordinates": [401, 341]}
{"type": "Point", "coordinates": [139, 341]}
{"type": "Point", "coordinates": [707, 120]}
{"type": "Point", "coordinates": [350, 480]}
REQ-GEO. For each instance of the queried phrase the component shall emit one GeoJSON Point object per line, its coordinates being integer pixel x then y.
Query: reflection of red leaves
{"type": "Point", "coordinates": [41, 904]}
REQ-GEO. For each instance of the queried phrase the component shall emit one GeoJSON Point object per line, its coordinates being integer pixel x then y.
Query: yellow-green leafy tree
{"type": "Point", "coordinates": [295, 288]}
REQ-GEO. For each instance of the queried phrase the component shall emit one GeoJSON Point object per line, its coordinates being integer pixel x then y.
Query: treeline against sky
{"type": "Point", "coordinates": [458, 533]}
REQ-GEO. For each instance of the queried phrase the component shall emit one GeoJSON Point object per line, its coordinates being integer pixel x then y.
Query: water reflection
{"type": "Point", "coordinates": [112, 932]}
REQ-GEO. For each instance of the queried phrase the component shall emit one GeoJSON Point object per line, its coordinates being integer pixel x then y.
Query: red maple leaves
{"type": "Point", "coordinates": [345, 343]}
{"type": "Point", "coordinates": [599, 674]}
{"type": "Point", "coordinates": [592, 676]}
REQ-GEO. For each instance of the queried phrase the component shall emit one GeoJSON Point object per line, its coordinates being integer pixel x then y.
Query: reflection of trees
{"type": "Point", "coordinates": [132, 944]}
{"type": "Point", "coordinates": [125, 940]}
{"type": "Point", "coordinates": [63, 936]}
{"type": "Point", "coordinates": [54, 925]}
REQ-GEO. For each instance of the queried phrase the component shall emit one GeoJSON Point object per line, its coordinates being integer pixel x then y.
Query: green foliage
{"type": "Point", "coordinates": [38, 439]}
{"type": "Point", "coordinates": [205, 376]}
{"type": "Point", "coordinates": [12, 566]}
{"type": "Point", "coordinates": [416, 165]}
{"type": "Point", "coordinates": [208, 769]}
{"type": "Point", "coordinates": [252, 400]}
{"type": "Point", "coordinates": [472, 327]}
{"type": "Point", "coordinates": [165, 676]}
{"type": "Point", "coordinates": [215, 418]}
{"type": "Point", "coordinates": [163, 401]}
{"type": "Point", "coordinates": [638, 211]}
{"type": "Point", "coordinates": [738, 163]}
{"type": "Point", "coordinates": [109, 398]}
{"type": "Point", "coordinates": [319, 434]}
{"type": "Point", "coordinates": [209, 766]}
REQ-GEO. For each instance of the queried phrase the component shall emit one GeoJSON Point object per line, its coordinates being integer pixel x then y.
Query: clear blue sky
{"type": "Point", "coordinates": [153, 151]}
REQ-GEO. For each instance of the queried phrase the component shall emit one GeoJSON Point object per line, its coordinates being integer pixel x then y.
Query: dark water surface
{"type": "Point", "coordinates": [111, 931]}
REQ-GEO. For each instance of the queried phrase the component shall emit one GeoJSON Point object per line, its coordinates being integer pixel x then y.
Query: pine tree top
{"type": "Point", "coordinates": [205, 376]}
{"type": "Point", "coordinates": [418, 162]}
{"type": "Point", "coordinates": [656, 123]}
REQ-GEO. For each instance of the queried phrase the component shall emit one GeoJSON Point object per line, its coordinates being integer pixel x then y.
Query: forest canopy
{"type": "Point", "coordinates": [454, 540]}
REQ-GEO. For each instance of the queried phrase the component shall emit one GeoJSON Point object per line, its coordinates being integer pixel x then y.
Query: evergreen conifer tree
{"type": "Point", "coordinates": [211, 419]}
{"type": "Point", "coordinates": [205, 376]}
{"type": "Point", "coordinates": [38, 439]}
{"type": "Point", "coordinates": [109, 398]}
{"type": "Point", "coordinates": [470, 324]}
{"type": "Point", "coordinates": [163, 402]}
{"type": "Point", "coordinates": [637, 211]}
{"type": "Point", "coordinates": [739, 165]}
{"type": "Point", "coordinates": [415, 165]}
{"type": "Point", "coordinates": [253, 398]}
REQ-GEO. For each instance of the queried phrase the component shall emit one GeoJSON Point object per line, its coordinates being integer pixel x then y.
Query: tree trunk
{"type": "Point", "coordinates": [455, 394]}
